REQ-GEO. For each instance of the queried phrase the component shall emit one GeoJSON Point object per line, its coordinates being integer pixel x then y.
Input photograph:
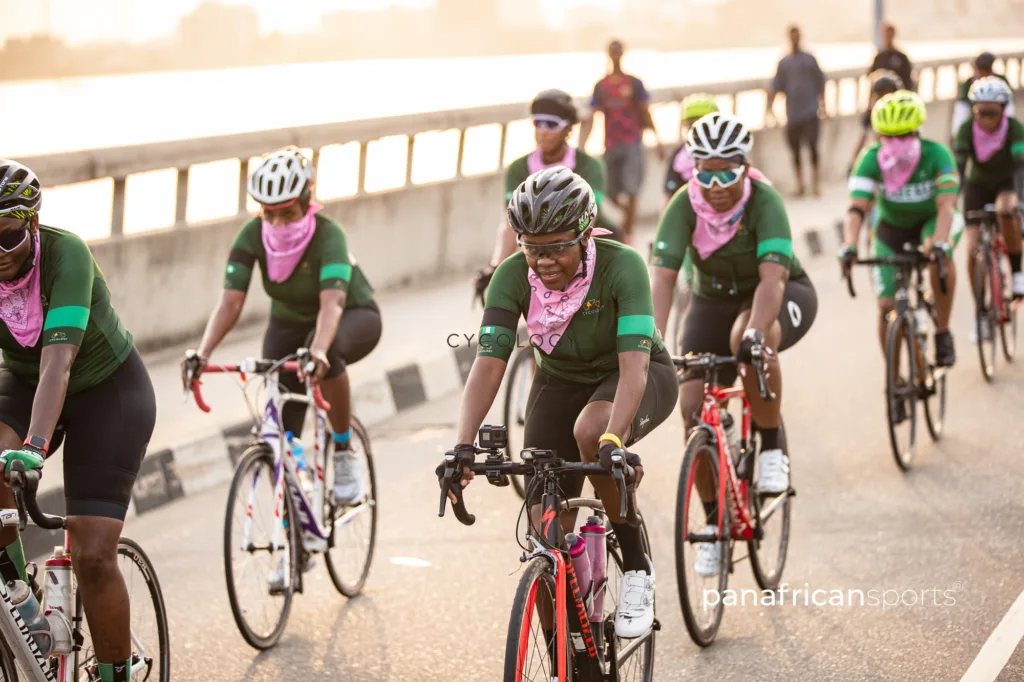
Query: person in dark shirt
{"type": "Point", "coordinates": [893, 59]}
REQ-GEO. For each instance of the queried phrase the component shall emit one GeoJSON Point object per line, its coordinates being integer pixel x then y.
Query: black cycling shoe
{"type": "Point", "coordinates": [945, 353]}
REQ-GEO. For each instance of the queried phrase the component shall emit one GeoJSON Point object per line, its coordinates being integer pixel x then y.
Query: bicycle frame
{"type": "Point", "coordinates": [992, 245]}
{"type": "Point", "coordinates": [731, 489]}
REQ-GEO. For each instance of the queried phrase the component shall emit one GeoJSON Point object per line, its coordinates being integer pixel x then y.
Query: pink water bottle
{"type": "Point", "coordinates": [593, 535]}
{"type": "Point", "coordinates": [580, 565]}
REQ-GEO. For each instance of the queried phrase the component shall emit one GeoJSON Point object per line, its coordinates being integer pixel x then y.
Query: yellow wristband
{"type": "Point", "coordinates": [611, 438]}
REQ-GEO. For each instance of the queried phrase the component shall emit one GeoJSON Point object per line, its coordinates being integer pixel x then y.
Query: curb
{"type": "Point", "coordinates": [204, 462]}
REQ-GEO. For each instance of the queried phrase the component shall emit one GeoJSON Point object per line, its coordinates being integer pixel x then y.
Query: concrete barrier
{"type": "Point", "coordinates": [165, 282]}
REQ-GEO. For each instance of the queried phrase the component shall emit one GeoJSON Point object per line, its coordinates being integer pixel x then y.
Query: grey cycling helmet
{"type": "Point", "coordinates": [21, 196]}
{"type": "Point", "coordinates": [990, 89]}
{"type": "Point", "coordinates": [719, 136]}
{"type": "Point", "coordinates": [552, 200]}
{"type": "Point", "coordinates": [281, 177]}
{"type": "Point", "coordinates": [555, 103]}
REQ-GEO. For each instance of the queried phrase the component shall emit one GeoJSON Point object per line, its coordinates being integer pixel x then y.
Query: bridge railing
{"type": "Point", "coordinates": [846, 93]}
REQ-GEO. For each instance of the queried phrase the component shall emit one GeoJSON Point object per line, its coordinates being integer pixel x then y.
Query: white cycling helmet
{"type": "Point", "coordinates": [719, 136]}
{"type": "Point", "coordinates": [990, 89]}
{"type": "Point", "coordinates": [280, 177]}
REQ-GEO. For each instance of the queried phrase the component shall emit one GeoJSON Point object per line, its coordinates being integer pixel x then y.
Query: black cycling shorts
{"type": "Point", "coordinates": [709, 323]}
{"type": "Point", "coordinates": [106, 432]}
{"type": "Point", "coordinates": [976, 197]}
{"type": "Point", "coordinates": [554, 405]}
{"type": "Point", "coordinates": [358, 334]}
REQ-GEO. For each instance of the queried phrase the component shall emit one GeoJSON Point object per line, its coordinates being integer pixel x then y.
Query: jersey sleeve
{"type": "Point", "coordinates": [963, 142]}
{"type": "Point", "coordinates": [242, 258]}
{"type": "Point", "coordinates": [71, 295]}
{"type": "Point", "coordinates": [866, 175]}
{"type": "Point", "coordinates": [335, 260]}
{"type": "Point", "coordinates": [503, 308]}
{"type": "Point", "coordinates": [674, 231]}
{"type": "Point", "coordinates": [771, 226]}
{"type": "Point", "coordinates": [1016, 140]}
{"type": "Point", "coordinates": [634, 306]}
{"type": "Point", "coordinates": [595, 98]}
{"type": "Point", "coordinates": [947, 179]}
{"type": "Point", "coordinates": [515, 175]}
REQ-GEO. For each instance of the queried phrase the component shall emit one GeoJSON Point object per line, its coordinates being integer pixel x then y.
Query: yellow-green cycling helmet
{"type": "Point", "coordinates": [696, 106]}
{"type": "Point", "coordinates": [898, 113]}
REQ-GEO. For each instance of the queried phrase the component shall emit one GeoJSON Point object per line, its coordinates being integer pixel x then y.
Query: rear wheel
{"type": "Point", "coordinates": [772, 515]}
{"type": "Point", "coordinates": [902, 367]}
{"type": "Point", "coordinates": [517, 390]}
{"type": "Point", "coordinates": [700, 463]}
{"type": "Point", "coordinates": [7, 668]}
{"type": "Point", "coordinates": [1007, 313]}
{"type": "Point", "coordinates": [985, 313]}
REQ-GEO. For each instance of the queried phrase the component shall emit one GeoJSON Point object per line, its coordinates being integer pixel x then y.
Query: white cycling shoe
{"type": "Point", "coordinates": [348, 478]}
{"type": "Point", "coordinates": [986, 332]}
{"type": "Point", "coordinates": [634, 614]}
{"type": "Point", "coordinates": [709, 555]}
{"type": "Point", "coordinates": [275, 579]}
{"type": "Point", "coordinates": [772, 472]}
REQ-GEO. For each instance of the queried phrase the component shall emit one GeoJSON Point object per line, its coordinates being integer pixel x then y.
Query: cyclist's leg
{"type": "Point", "coordinates": [282, 339]}
{"type": "Point", "coordinates": [944, 301]}
{"type": "Point", "coordinates": [358, 334]}
{"type": "Point", "coordinates": [108, 430]}
{"type": "Point", "coordinates": [975, 199]}
{"type": "Point", "coordinates": [1007, 204]}
{"type": "Point", "coordinates": [16, 398]}
{"type": "Point", "coordinates": [888, 241]}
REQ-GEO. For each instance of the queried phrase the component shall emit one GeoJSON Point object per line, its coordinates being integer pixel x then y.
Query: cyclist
{"type": "Point", "coordinates": [71, 373]}
{"type": "Point", "coordinates": [554, 116]}
{"type": "Point", "coordinates": [916, 183]}
{"type": "Point", "coordinates": [993, 142]}
{"type": "Point", "coordinates": [983, 66]}
{"type": "Point", "coordinates": [883, 82]}
{"type": "Point", "coordinates": [311, 279]}
{"type": "Point", "coordinates": [679, 172]}
{"type": "Point", "coordinates": [604, 379]}
{"type": "Point", "coordinates": [749, 289]}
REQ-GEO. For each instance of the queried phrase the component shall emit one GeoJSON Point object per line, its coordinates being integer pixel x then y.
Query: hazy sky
{"type": "Point", "coordinates": [142, 20]}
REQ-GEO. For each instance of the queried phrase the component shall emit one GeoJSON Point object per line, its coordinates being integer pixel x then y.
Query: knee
{"type": "Point", "coordinates": [93, 564]}
{"type": "Point", "coordinates": [588, 434]}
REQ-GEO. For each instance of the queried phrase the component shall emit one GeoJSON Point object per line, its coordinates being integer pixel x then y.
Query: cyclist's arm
{"type": "Point", "coordinates": [862, 185]}
{"type": "Point", "coordinates": [588, 120]}
{"type": "Point", "coordinates": [663, 289]}
{"type": "Point", "coordinates": [947, 187]}
{"type": "Point", "coordinates": [505, 244]}
{"type": "Point", "coordinates": [774, 256]}
{"type": "Point", "coordinates": [946, 205]}
{"type": "Point", "coordinates": [1017, 152]}
{"type": "Point", "coordinates": [63, 332]}
{"type": "Point", "coordinates": [481, 388]}
{"type": "Point", "coordinates": [668, 254]}
{"type": "Point", "coordinates": [237, 275]}
{"type": "Point", "coordinates": [961, 112]}
{"type": "Point", "coordinates": [335, 275]}
{"type": "Point", "coordinates": [768, 296]}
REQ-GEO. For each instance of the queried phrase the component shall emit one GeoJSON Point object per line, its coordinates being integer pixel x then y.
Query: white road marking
{"type": "Point", "coordinates": [999, 646]}
{"type": "Point", "coordinates": [410, 561]}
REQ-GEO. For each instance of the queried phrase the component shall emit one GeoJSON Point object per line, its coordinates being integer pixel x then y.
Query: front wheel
{"type": "Point", "coordinates": [772, 515]}
{"type": "Point", "coordinates": [986, 317]}
{"type": "Point", "coordinates": [1007, 314]}
{"type": "Point", "coordinates": [904, 369]}
{"type": "Point", "coordinates": [534, 639]}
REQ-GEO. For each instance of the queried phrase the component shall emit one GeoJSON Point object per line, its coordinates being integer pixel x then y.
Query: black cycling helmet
{"type": "Point", "coordinates": [552, 200]}
{"type": "Point", "coordinates": [20, 193]}
{"type": "Point", "coordinates": [886, 85]}
{"type": "Point", "coordinates": [985, 61]}
{"type": "Point", "coordinates": [555, 103]}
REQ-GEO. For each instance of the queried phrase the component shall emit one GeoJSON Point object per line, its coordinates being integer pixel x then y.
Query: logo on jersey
{"type": "Point", "coordinates": [912, 193]}
{"type": "Point", "coordinates": [592, 306]}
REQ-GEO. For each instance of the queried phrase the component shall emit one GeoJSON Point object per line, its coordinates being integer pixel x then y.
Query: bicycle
{"type": "Point", "coordinates": [320, 525]}
{"type": "Point", "coordinates": [731, 476]}
{"type": "Point", "coordinates": [993, 294]}
{"type": "Point", "coordinates": [71, 658]}
{"type": "Point", "coordinates": [911, 322]}
{"type": "Point", "coordinates": [576, 638]}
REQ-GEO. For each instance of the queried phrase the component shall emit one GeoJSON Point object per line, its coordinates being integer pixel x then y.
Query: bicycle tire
{"type": "Point", "coordinates": [764, 579]}
{"type": "Point", "coordinates": [7, 665]}
{"type": "Point", "coordinates": [983, 311]}
{"type": "Point", "coordinates": [258, 454]}
{"type": "Point", "coordinates": [84, 665]}
{"type": "Point", "coordinates": [523, 359]}
{"type": "Point", "coordinates": [538, 571]}
{"type": "Point", "coordinates": [894, 337]}
{"type": "Point", "coordinates": [699, 442]}
{"type": "Point", "coordinates": [1007, 326]}
{"type": "Point", "coordinates": [356, 587]}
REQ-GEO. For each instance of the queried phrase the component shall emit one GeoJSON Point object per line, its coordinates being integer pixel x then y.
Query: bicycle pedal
{"type": "Point", "coordinates": [656, 626]}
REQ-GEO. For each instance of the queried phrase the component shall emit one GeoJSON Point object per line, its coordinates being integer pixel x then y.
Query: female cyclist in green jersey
{"type": "Point", "coordinates": [554, 115]}
{"type": "Point", "coordinates": [749, 288]}
{"type": "Point", "coordinates": [992, 142]}
{"type": "Point", "coordinates": [883, 82]}
{"type": "Point", "coordinates": [70, 373]}
{"type": "Point", "coordinates": [604, 379]}
{"type": "Point", "coordinates": [915, 181]}
{"type": "Point", "coordinates": [311, 279]}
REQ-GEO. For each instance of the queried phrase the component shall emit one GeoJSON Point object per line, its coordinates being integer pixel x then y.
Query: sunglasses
{"type": "Point", "coordinates": [546, 122]}
{"type": "Point", "coordinates": [722, 178]}
{"type": "Point", "coordinates": [551, 251]}
{"type": "Point", "coordinates": [12, 239]}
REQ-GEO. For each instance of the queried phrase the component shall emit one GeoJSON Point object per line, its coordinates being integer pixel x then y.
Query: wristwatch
{"type": "Point", "coordinates": [37, 443]}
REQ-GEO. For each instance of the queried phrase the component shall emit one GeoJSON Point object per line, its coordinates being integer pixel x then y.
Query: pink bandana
{"type": "Point", "coordinates": [551, 311]}
{"type": "Point", "coordinates": [535, 161]}
{"type": "Point", "coordinates": [897, 159]}
{"type": "Point", "coordinates": [683, 164]}
{"type": "Point", "coordinates": [987, 144]}
{"type": "Point", "coordinates": [21, 303]}
{"type": "Point", "coordinates": [285, 244]}
{"type": "Point", "coordinates": [714, 229]}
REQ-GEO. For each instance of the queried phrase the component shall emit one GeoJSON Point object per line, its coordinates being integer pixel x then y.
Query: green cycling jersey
{"type": "Point", "coordinates": [617, 316]}
{"type": "Point", "coordinates": [998, 169]}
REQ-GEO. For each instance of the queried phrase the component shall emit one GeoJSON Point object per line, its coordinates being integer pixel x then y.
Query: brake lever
{"type": "Point", "coordinates": [18, 488]}
{"type": "Point", "coordinates": [618, 474]}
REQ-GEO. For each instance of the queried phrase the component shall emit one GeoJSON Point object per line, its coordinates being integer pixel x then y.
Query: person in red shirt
{"type": "Point", "coordinates": [624, 102]}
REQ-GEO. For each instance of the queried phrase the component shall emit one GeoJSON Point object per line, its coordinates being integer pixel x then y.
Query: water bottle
{"type": "Point", "coordinates": [593, 534]}
{"type": "Point", "coordinates": [299, 454]}
{"type": "Point", "coordinates": [921, 322]}
{"type": "Point", "coordinates": [57, 606]}
{"type": "Point", "coordinates": [581, 566]}
{"type": "Point", "coordinates": [732, 437]}
{"type": "Point", "coordinates": [28, 608]}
